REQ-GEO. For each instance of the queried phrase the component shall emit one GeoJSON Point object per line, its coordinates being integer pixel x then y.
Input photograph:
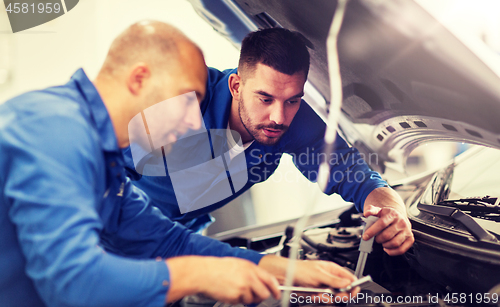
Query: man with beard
{"type": "Point", "coordinates": [261, 102]}
{"type": "Point", "coordinates": [76, 232]}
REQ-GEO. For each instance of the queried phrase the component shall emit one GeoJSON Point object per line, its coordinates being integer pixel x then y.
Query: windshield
{"type": "Point", "coordinates": [477, 176]}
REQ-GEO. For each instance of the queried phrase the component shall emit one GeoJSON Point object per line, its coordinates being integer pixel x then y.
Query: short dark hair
{"type": "Point", "coordinates": [278, 48]}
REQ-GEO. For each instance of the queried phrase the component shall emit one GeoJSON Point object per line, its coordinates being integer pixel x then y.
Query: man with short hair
{"type": "Point", "coordinates": [261, 101]}
{"type": "Point", "coordinates": [75, 231]}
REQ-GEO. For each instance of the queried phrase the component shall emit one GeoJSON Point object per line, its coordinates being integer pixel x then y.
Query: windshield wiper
{"type": "Point", "coordinates": [472, 226]}
{"type": "Point", "coordinates": [485, 208]}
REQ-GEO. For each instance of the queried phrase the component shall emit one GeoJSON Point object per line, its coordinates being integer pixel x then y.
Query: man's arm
{"type": "Point", "coordinates": [235, 281]}
{"type": "Point", "coordinates": [144, 232]}
{"type": "Point", "coordinates": [393, 229]}
{"type": "Point", "coordinates": [49, 188]}
{"type": "Point", "coordinates": [351, 178]}
{"type": "Point", "coordinates": [50, 185]}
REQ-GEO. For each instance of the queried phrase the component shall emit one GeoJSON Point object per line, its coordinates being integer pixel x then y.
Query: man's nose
{"type": "Point", "coordinates": [277, 113]}
{"type": "Point", "coordinates": [193, 117]}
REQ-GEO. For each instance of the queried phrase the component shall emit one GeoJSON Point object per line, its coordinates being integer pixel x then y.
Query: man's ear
{"type": "Point", "coordinates": [137, 78]}
{"type": "Point", "coordinates": [234, 84]}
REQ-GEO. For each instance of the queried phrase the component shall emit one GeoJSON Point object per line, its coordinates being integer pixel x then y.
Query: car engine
{"type": "Point", "coordinates": [397, 281]}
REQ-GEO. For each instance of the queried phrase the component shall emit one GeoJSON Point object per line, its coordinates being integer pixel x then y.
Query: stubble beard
{"type": "Point", "coordinates": [256, 130]}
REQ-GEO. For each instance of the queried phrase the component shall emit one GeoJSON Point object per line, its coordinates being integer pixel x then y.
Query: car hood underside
{"type": "Point", "coordinates": [406, 78]}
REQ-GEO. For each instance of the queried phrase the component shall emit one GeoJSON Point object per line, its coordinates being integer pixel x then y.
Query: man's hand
{"type": "Point", "coordinates": [229, 280]}
{"type": "Point", "coordinates": [393, 229]}
{"type": "Point", "coordinates": [317, 274]}
{"type": "Point", "coordinates": [322, 274]}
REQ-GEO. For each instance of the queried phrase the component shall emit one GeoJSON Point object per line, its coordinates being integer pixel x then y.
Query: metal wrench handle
{"type": "Point", "coordinates": [365, 247]}
{"type": "Point", "coordinates": [356, 283]}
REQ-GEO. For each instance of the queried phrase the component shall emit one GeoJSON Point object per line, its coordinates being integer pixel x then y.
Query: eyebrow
{"type": "Point", "coordinates": [262, 93]}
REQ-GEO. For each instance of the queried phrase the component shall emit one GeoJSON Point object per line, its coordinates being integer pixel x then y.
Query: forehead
{"type": "Point", "coordinates": [274, 82]}
{"type": "Point", "coordinates": [190, 74]}
{"type": "Point", "coordinates": [194, 81]}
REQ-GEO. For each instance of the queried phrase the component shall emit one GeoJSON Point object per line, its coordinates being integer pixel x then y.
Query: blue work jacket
{"type": "Point", "coordinates": [74, 230]}
{"type": "Point", "coordinates": [350, 175]}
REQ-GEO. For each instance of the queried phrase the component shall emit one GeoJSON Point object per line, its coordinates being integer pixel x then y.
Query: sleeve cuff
{"type": "Point", "coordinates": [374, 184]}
{"type": "Point", "coordinates": [161, 282]}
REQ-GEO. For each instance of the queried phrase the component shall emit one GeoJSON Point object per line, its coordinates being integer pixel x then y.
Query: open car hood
{"type": "Point", "coordinates": [406, 78]}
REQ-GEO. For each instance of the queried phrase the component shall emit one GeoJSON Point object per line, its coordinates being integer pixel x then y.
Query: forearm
{"type": "Point", "coordinates": [184, 277]}
{"type": "Point", "coordinates": [275, 265]}
{"type": "Point", "coordinates": [385, 197]}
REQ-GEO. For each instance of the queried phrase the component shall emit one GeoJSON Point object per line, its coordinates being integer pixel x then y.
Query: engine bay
{"type": "Point", "coordinates": [397, 280]}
